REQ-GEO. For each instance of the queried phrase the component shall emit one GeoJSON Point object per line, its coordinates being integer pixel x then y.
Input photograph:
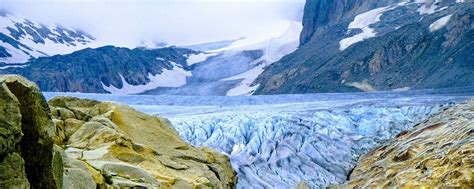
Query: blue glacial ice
{"type": "Point", "coordinates": [280, 141]}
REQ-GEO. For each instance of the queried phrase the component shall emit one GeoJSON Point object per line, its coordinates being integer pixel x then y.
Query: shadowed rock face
{"type": "Point", "coordinates": [319, 14]}
{"type": "Point", "coordinates": [438, 153]}
{"type": "Point", "coordinates": [26, 109]}
{"type": "Point", "coordinates": [405, 51]}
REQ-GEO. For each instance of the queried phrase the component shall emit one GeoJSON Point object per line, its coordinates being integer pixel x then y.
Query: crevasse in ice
{"type": "Point", "coordinates": [281, 150]}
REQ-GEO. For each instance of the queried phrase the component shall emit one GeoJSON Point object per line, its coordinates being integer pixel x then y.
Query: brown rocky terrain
{"type": "Point", "coordinates": [438, 153]}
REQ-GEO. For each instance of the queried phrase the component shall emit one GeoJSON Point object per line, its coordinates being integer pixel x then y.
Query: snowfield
{"type": "Point", "coordinates": [363, 22]}
{"type": "Point", "coordinates": [175, 77]}
{"type": "Point", "coordinates": [280, 141]}
{"type": "Point", "coordinates": [440, 23]}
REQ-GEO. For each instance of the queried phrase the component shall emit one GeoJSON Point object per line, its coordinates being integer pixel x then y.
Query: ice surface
{"type": "Point", "coordinates": [279, 141]}
{"type": "Point", "coordinates": [440, 23]}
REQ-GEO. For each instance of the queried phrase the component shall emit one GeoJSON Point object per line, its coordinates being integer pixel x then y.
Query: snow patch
{"type": "Point", "coordinates": [245, 88]}
{"type": "Point", "coordinates": [428, 7]}
{"type": "Point", "coordinates": [198, 58]}
{"type": "Point", "coordinates": [176, 77]}
{"type": "Point", "coordinates": [12, 66]}
{"type": "Point", "coordinates": [363, 22]}
{"type": "Point", "coordinates": [440, 23]}
{"type": "Point", "coordinates": [17, 55]}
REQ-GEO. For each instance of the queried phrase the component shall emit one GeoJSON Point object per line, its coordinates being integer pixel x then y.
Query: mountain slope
{"type": "Point", "coordinates": [230, 67]}
{"type": "Point", "coordinates": [107, 69]}
{"type": "Point", "coordinates": [383, 45]}
{"type": "Point", "coordinates": [220, 68]}
{"type": "Point", "coordinates": [22, 39]}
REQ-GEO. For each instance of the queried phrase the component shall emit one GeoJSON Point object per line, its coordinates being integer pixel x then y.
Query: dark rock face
{"type": "Point", "coordinates": [86, 70]}
{"type": "Point", "coordinates": [321, 14]}
{"type": "Point", "coordinates": [30, 131]}
{"type": "Point", "coordinates": [403, 54]}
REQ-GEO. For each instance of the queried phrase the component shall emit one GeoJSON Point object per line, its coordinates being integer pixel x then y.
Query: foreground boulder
{"type": "Point", "coordinates": [438, 153]}
{"type": "Point", "coordinates": [133, 149]}
{"type": "Point", "coordinates": [77, 143]}
{"type": "Point", "coordinates": [26, 137]}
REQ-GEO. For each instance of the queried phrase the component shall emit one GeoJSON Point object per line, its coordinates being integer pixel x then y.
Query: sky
{"type": "Point", "coordinates": [147, 22]}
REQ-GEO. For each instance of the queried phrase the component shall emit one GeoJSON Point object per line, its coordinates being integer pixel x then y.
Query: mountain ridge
{"type": "Point", "coordinates": [391, 48]}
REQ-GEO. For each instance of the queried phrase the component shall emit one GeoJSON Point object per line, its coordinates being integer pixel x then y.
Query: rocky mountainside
{"type": "Point", "coordinates": [221, 68]}
{"type": "Point", "coordinates": [377, 45]}
{"type": "Point", "coordinates": [437, 153]}
{"type": "Point", "coordinates": [22, 39]}
{"type": "Point", "coordinates": [108, 69]}
{"type": "Point", "coordinates": [77, 143]}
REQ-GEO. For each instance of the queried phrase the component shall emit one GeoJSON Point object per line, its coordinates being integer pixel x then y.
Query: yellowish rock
{"type": "Point", "coordinates": [133, 149]}
{"type": "Point", "coordinates": [71, 126]}
{"type": "Point", "coordinates": [438, 153]}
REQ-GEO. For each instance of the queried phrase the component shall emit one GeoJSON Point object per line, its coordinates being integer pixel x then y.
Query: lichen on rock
{"type": "Point", "coordinates": [29, 133]}
{"type": "Point", "coordinates": [437, 153]}
{"type": "Point", "coordinates": [133, 149]}
{"type": "Point", "coordinates": [79, 143]}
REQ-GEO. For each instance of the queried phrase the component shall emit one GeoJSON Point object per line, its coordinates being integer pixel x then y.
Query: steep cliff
{"type": "Point", "coordinates": [377, 45]}
{"type": "Point", "coordinates": [26, 137]}
{"type": "Point", "coordinates": [319, 15]}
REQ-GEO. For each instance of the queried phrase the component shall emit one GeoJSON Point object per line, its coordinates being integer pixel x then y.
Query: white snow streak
{"type": "Point", "coordinates": [440, 23]}
{"type": "Point", "coordinates": [168, 78]}
{"type": "Point", "coordinates": [363, 22]}
{"type": "Point", "coordinates": [197, 58]}
{"type": "Point", "coordinates": [245, 88]}
{"type": "Point", "coordinates": [17, 55]}
{"type": "Point", "coordinates": [13, 66]}
{"type": "Point", "coordinates": [428, 7]}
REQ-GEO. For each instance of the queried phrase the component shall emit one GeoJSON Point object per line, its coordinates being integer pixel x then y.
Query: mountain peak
{"type": "Point", "coordinates": [23, 39]}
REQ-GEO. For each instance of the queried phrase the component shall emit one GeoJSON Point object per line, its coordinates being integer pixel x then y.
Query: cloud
{"type": "Point", "coordinates": [133, 22]}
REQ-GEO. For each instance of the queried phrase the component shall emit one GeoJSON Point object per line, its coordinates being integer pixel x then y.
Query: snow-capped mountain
{"type": "Point", "coordinates": [371, 45]}
{"type": "Point", "coordinates": [230, 67]}
{"type": "Point", "coordinates": [217, 68]}
{"type": "Point", "coordinates": [22, 39]}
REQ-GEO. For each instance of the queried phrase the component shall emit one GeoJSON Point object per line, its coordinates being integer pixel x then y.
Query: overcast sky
{"type": "Point", "coordinates": [132, 22]}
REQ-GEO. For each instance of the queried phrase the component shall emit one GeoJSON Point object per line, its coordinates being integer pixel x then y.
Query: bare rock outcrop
{"type": "Point", "coordinates": [79, 143]}
{"type": "Point", "coordinates": [437, 153]}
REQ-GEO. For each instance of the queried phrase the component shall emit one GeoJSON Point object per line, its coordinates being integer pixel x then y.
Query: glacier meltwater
{"type": "Point", "coordinates": [281, 141]}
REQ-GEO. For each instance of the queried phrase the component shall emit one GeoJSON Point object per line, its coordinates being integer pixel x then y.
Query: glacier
{"type": "Point", "coordinates": [281, 140]}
